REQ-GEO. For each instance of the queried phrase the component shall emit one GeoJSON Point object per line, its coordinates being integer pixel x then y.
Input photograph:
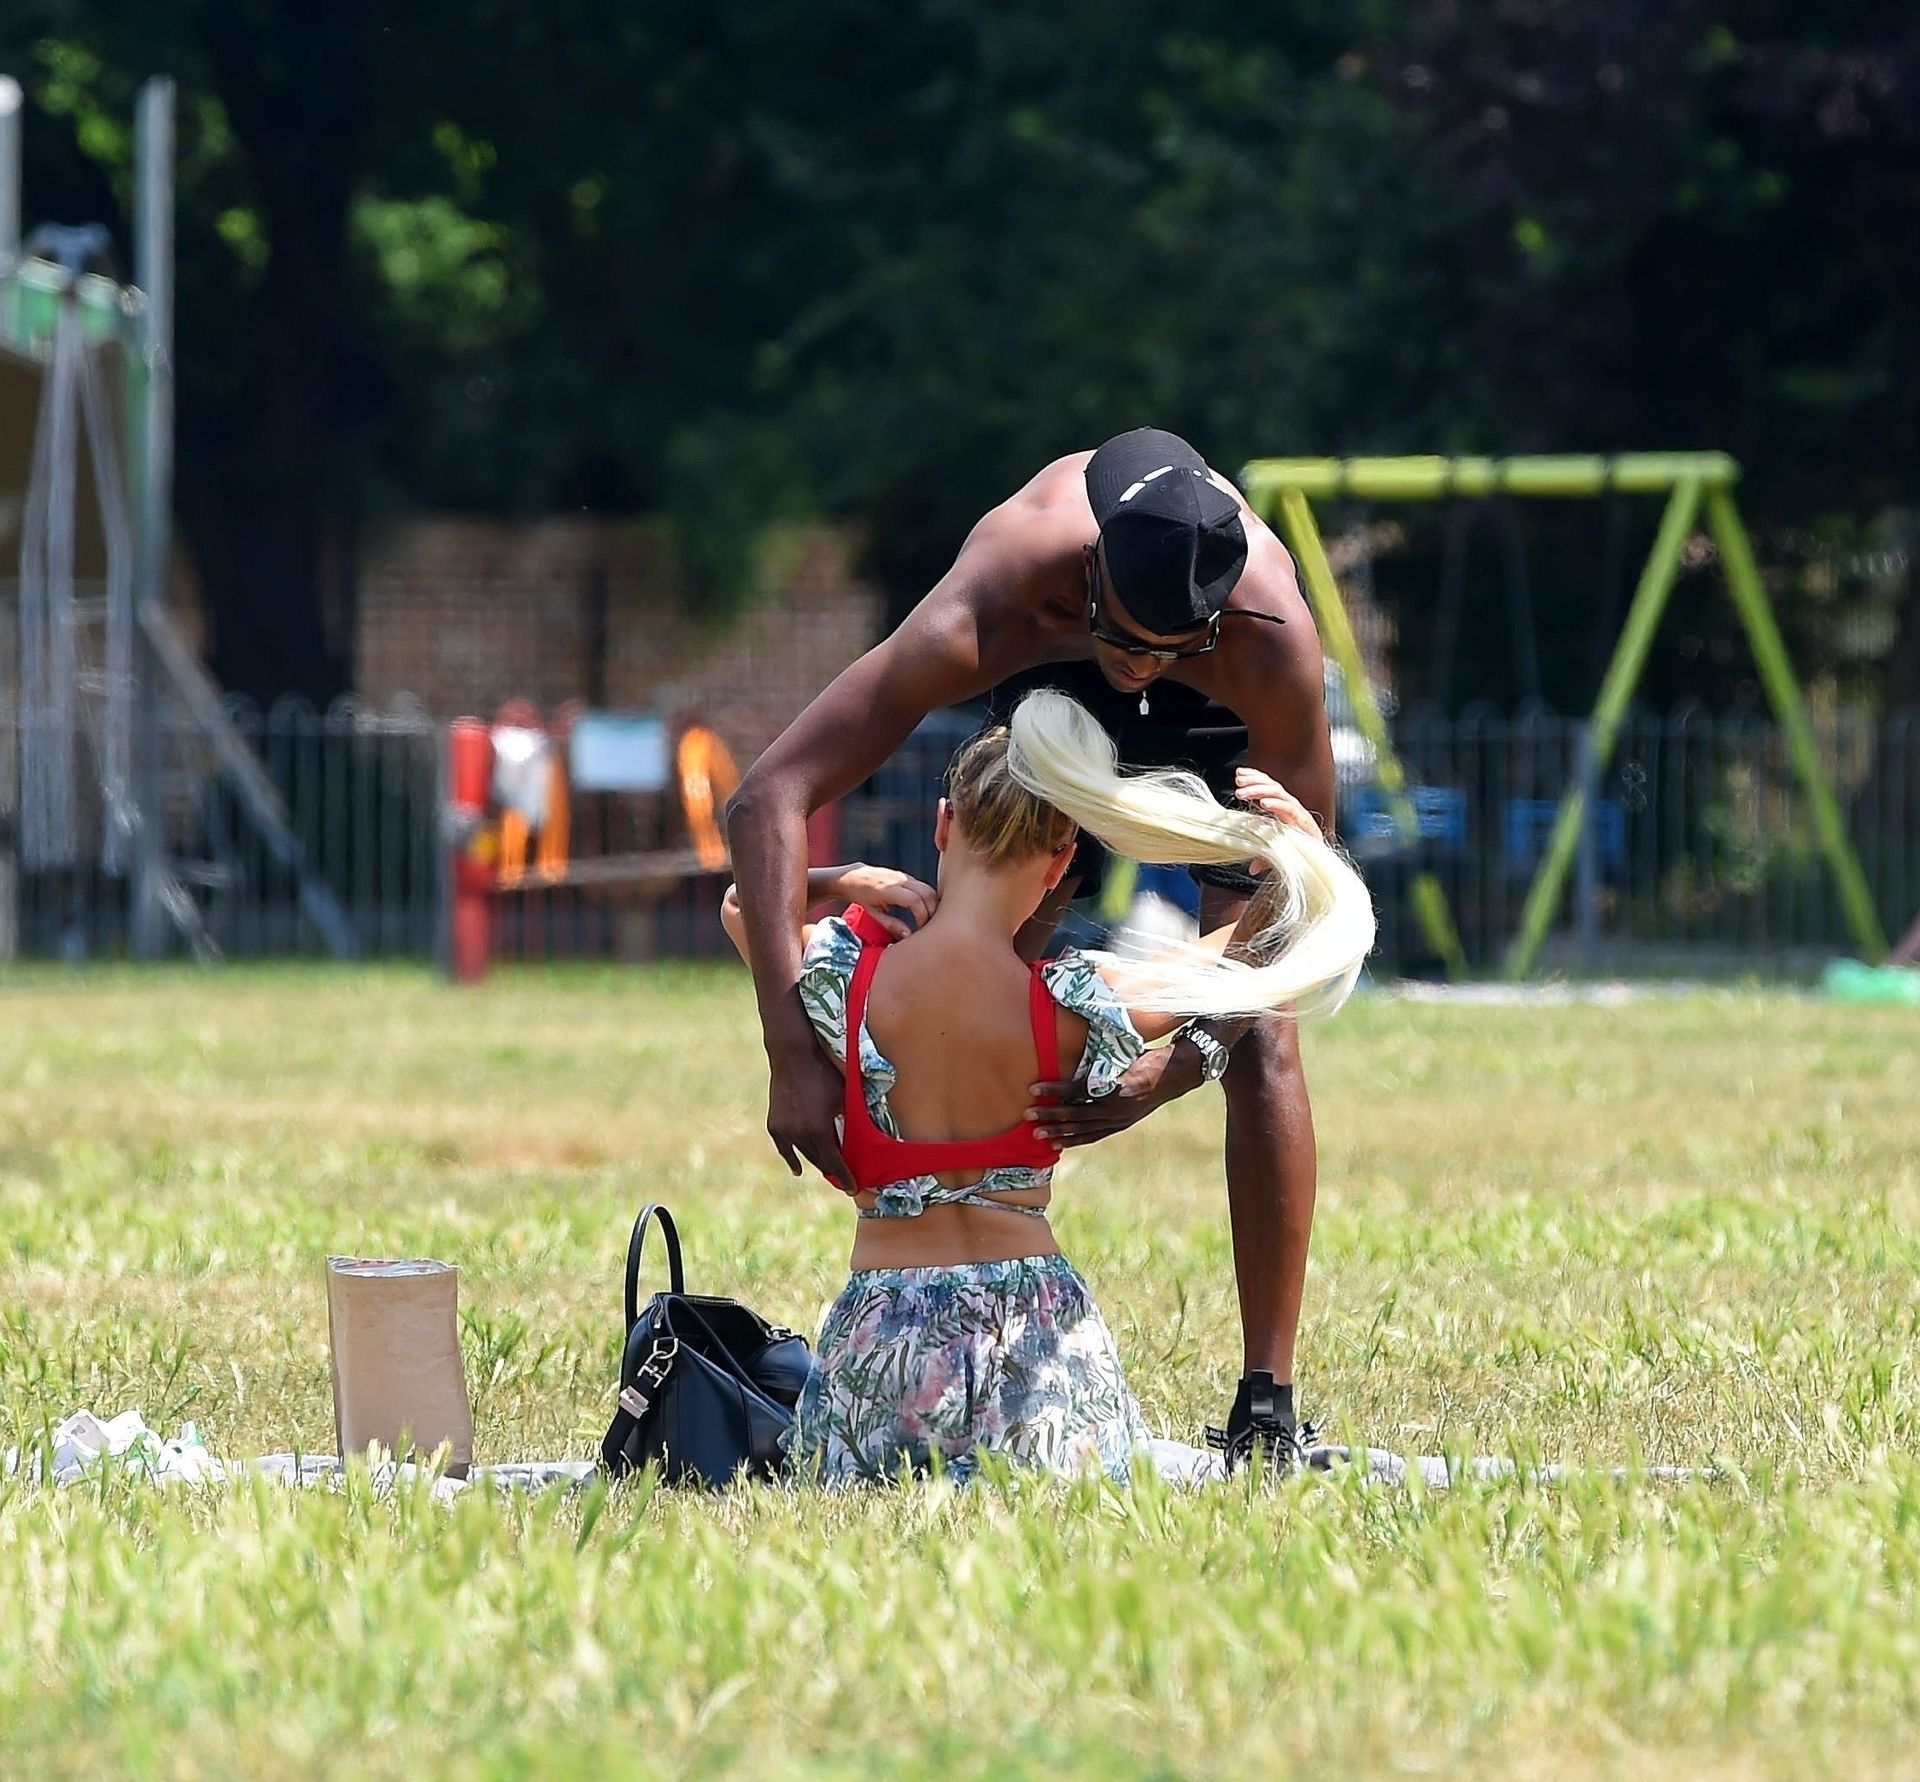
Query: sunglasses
{"type": "Point", "coordinates": [1131, 645]}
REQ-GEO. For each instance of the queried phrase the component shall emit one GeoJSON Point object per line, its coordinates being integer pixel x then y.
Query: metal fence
{"type": "Point", "coordinates": [1700, 849]}
{"type": "Point", "coordinates": [352, 850]}
{"type": "Point", "coordinates": [361, 790]}
{"type": "Point", "coordinates": [1700, 854]}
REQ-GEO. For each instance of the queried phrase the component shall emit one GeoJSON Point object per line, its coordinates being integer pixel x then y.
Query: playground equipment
{"type": "Point", "coordinates": [516, 784]}
{"type": "Point", "coordinates": [1282, 491]}
{"type": "Point", "coordinates": [95, 678]}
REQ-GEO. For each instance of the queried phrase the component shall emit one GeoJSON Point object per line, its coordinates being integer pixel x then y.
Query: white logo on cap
{"type": "Point", "coordinates": [1134, 489]}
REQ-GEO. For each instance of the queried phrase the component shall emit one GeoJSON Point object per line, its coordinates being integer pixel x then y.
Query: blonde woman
{"type": "Point", "coordinates": [962, 1328]}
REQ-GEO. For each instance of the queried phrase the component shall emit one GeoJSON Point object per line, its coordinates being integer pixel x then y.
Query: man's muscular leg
{"type": "Point", "coordinates": [1272, 1165]}
{"type": "Point", "coordinates": [1271, 1169]}
{"type": "Point", "coordinates": [1271, 1173]}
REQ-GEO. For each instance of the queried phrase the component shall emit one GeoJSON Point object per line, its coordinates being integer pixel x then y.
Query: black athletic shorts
{"type": "Point", "coordinates": [1182, 728]}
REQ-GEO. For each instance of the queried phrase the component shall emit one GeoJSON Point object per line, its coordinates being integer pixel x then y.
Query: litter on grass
{"type": "Point", "coordinates": [82, 1443]}
{"type": "Point", "coordinates": [83, 1446]}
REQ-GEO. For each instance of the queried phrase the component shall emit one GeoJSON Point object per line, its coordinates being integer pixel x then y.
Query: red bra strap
{"type": "Point", "coordinates": [1046, 1027]}
{"type": "Point", "coordinates": [872, 945]}
{"type": "Point", "coordinates": [865, 926]}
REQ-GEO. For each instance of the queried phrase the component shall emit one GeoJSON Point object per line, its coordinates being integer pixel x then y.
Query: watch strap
{"type": "Point", "coordinates": [1213, 1055]}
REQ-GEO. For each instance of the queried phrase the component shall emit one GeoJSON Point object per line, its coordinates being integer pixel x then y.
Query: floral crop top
{"type": "Point", "coordinates": [826, 971]}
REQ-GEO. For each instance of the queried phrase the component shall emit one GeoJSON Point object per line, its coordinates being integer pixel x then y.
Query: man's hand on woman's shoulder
{"type": "Point", "coordinates": [1077, 1117]}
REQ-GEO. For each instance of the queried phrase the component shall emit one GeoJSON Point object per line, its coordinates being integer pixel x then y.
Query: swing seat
{"type": "Point", "coordinates": [1529, 821]}
{"type": "Point", "coordinates": [1440, 816]}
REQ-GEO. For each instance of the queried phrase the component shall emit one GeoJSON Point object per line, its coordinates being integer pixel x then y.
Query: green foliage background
{"type": "Point", "coordinates": [881, 261]}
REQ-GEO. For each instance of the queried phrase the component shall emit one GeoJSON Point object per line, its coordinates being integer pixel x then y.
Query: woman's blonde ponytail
{"type": "Point", "coordinates": [1305, 958]}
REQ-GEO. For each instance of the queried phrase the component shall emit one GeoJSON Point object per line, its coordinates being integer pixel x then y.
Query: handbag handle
{"type": "Point", "coordinates": [651, 1211]}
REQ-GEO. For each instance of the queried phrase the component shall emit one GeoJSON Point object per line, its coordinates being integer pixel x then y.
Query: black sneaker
{"type": "Point", "coordinates": [1262, 1417]}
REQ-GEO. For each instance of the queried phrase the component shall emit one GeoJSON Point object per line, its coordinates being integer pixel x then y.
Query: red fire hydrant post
{"type": "Point", "coordinates": [475, 854]}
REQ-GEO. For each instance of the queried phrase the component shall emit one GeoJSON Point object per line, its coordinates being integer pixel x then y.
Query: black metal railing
{"type": "Point", "coordinates": [338, 843]}
{"type": "Point", "coordinates": [1700, 853]}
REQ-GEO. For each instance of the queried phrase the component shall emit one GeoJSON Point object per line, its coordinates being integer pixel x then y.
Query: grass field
{"type": "Point", "coordinates": [1678, 1232]}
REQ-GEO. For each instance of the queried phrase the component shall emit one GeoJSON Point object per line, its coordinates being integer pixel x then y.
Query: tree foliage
{"type": "Point", "coordinates": [880, 261]}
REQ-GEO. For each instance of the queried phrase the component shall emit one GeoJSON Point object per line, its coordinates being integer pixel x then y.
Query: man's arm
{"type": "Point", "coordinates": [936, 658]}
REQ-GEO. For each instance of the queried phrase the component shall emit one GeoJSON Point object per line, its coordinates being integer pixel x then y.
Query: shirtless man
{"type": "Point", "coordinates": [1139, 581]}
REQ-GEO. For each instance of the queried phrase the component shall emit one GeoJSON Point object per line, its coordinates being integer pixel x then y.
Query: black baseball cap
{"type": "Point", "coordinates": [1171, 536]}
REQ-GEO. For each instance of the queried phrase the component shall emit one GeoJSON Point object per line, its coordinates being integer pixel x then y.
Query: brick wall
{"type": "Point", "coordinates": [466, 613]}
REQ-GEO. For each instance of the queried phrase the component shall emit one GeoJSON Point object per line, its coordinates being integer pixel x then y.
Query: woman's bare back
{"type": "Point", "coordinates": [953, 1017]}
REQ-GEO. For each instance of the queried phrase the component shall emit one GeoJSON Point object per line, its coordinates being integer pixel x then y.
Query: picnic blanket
{"type": "Point", "coordinates": [84, 1444]}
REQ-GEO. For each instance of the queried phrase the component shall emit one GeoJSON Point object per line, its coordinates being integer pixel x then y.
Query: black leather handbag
{"type": "Point", "coordinates": [707, 1387]}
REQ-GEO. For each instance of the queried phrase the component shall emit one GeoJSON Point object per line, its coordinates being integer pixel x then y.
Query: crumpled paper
{"type": "Point", "coordinates": [83, 1442]}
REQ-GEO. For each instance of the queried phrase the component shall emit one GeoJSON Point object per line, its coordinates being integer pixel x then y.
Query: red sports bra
{"type": "Point", "coordinates": [877, 1158]}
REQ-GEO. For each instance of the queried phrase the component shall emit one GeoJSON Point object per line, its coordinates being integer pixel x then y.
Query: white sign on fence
{"type": "Point", "coordinates": [611, 752]}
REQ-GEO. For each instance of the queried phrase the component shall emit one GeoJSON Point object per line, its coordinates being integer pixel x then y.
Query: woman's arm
{"type": "Point", "coordinates": [880, 890]}
{"type": "Point", "coordinates": [1130, 977]}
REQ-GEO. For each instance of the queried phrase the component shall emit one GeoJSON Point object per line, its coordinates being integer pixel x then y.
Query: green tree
{"type": "Point", "coordinates": [881, 261]}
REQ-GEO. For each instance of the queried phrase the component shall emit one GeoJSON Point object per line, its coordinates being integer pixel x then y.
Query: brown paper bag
{"type": "Point", "coordinates": [397, 1377]}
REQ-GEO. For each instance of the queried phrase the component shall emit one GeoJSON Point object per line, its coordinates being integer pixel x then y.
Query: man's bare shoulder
{"type": "Point", "coordinates": [1047, 517]}
{"type": "Point", "coordinates": [1259, 660]}
{"type": "Point", "coordinates": [1020, 574]}
{"type": "Point", "coordinates": [1061, 483]}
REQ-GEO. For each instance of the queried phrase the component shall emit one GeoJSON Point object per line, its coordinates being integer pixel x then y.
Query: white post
{"type": "Point", "coordinates": [10, 101]}
{"type": "Point", "coordinates": [153, 272]}
{"type": "Point", "coordinates": [153, 500]}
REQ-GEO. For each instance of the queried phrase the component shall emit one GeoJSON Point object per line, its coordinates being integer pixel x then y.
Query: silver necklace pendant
{"type": "Point", "coordinates": [1143, 705]}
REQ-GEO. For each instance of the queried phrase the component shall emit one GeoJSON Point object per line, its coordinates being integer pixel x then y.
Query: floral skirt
{"type": "Point", "coordinates": [1005, 1357]}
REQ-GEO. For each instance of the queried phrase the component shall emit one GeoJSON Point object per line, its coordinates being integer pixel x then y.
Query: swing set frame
{"type": "Point", "coordinates": [1697, 485]}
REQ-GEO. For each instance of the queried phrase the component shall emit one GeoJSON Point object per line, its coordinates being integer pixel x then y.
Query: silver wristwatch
{"type": "Point", "coordinates": [1213, 1055]}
